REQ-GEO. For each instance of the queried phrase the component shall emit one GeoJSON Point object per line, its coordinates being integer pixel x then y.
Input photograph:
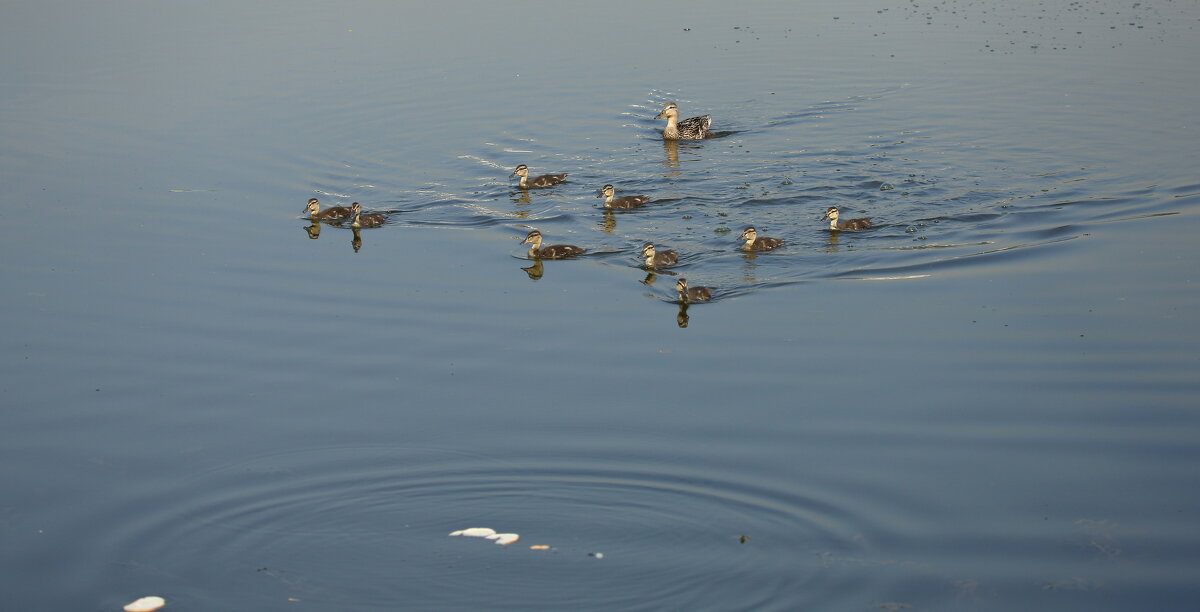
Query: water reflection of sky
{"type": "Point", "coordinates": [985, 402]}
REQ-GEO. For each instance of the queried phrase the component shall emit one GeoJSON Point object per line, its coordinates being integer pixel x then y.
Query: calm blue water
{"type": "Point", "coordinates": [988, 402]}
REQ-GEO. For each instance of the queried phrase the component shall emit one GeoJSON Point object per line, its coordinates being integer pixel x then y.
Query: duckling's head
{"type": "Point", "coordinates": [831, 213]}
{"type": "Point", "coordinates": [606, 192]}
{"type": "Point", "coordinates": [749, 234]}
{"type": "Point", "coordinates": [681, 286]}
{"type": "Point", "coordinates": [521, 170]}
{"type": "Point", "coordinates": [669, 110]}
{"type": "Point", "coordinates": [355, 209]}
{"type": "Point", "coordinates": [313, 206]}
{"type": "Point", "coordinates": [534, 238]}
{"type": "Point", "coordinates": [648, 250]}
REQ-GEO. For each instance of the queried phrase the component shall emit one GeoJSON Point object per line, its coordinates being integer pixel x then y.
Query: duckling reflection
{"type": "Point", "coordinates": [554, 251]}
{"type": "Point", "coordinates": [831, 244]}
{"type": "Point", "coordinates": [314, 230]}
{"type": "Point", "coordinates": [623, 202]}
{"type": "Point", "coordinates": [688, 295]}
{"type": "Point", "coordinates": [537, 182]}
{"type": "Point", "coordinates": [535, 271]}
{"type": "Point", "coordinates": [832, 215]}
{"type": "Point", "coordinates": [356, 241]}
{"type": "Point", "coordinates": [365, 220]}
{"type": "Point", "coordinates": [682, 318]}
{"type": "Point", "coordinates": [314, 212]}
{"type": "Point", "coordinates": [657, 259]}
{"type": "Point", "coordinates": [521, 196]}
{"type": "Point", "coordinates": [695, 128]}
{"type": "Point", "coordinates": [608, 221]}
{"type": "Point", "coordinates": [755, 243]}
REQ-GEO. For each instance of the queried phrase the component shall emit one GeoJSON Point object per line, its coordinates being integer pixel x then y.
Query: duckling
{"type": "Point", "coordinates": [754, 243]}
{"type": "Point", "coordinates": [692, 294]}
{"type": "Point", "coordinates": [623, 202]}
{"type": "Point", "coordinates": [554, 251]}
{"type": "Point", "coordinates": [655, 259]}
{"type": "Point", "coordinates": [545, 180]}
{"type": "Point", "coordinates": [831, 213]}
{"type": "Point", "coordinates": [695, 128]}
{"type": "Point", "coordinates": [367, 220]}
{"type": "Point", "coordinates": [316, 214]}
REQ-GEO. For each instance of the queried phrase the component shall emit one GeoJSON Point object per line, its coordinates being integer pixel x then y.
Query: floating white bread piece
{"type": "Point", "coordinates": [504, 539]}
{"type": "Point", "coordinates": [145, 604]}
{"type": "Point", "coordinates": [475, 532]}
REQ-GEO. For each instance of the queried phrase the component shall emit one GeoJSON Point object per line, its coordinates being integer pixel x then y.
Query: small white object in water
{"type": "Point", "coordinates": [145, 604]}
{"type": "Point", "coordinates": [504, 539]}
{"type": "Point", "coordinates": [475, 532]}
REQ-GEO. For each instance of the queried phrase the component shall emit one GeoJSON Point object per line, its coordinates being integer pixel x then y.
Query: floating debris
{"type": "Point", "coordinates": [539, 547]}
{"type": "Point", "coordinates": [145, 604]}
{"type": "Point", "coordinates": [504, 539]}
{"type": "Point", "coordinates": [475, 532]}
{"type": "Point", "coordinates": [596, 555]}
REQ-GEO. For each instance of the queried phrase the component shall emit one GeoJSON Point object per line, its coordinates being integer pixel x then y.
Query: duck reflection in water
{"type": "Point", "coordinates": [831, 245]}
{"type": "Point", "coordinates": [356, 241]}
{"type": "Point", "coordinates": [314, 230]}
{"type": "Point", "coordinates": [681, 317]}
{"type": "Point", "coordinates": [520, 197]}
{"type": "Point", "coordinates": [671, 152]}
{"type": "Point", "coordinates": [608, 222]}
{"type": "Point", "coordinates": [535, 271]}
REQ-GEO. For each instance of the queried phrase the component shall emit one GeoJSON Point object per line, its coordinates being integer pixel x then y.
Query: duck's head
{"type": "Point", "coordinates": [355, 209]}
{"type": "Point", "coordinates": [534, 238]}
{"type": "Point", "coordinates": [681, 286]}
{"type": "Point", "coordinates": [606, 192]}
{"type": "Point", "coordinates": [831, 214]}
{"type": "Point", "coordinates": [748, 234]}
{"type": "Point", "coordinates": [648, 250]}
{"type": "Point", "coordinates": [669, 110]}
{"type": "Point", "coordinates": [521, 170]}
{"type": "Point", "coordinates": [313, 206]}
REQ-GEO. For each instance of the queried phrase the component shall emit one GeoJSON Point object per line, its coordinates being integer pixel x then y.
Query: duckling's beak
{"type": "Point", "coordinates": [513, 174]}
{"type": "Point", "coordinates": [824, 216]}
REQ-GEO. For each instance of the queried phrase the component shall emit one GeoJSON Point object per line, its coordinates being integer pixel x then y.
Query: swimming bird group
{"type": "Point", "coordinates": [694, 128]}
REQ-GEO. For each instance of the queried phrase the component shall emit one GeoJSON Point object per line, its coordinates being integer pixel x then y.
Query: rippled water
{"type": "Point", "coordinates": [986, 402]}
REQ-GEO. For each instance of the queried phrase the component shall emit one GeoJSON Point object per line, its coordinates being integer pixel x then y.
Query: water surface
{"type": "Point", "coordinates": [987, 402]}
